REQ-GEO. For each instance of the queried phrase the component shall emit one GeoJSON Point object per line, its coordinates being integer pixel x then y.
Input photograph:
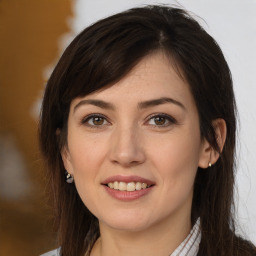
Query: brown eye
{"type": "Point", "coordinates": [160, 120]}
{"type": "Point", "coordinates": [97, 120]}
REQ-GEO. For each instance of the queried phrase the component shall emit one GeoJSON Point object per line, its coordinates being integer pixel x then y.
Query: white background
{"type": "Point", "coordinates": [233, 24]}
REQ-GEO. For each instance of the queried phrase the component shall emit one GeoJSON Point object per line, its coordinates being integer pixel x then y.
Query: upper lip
{"type": "Point", "coordinates": [127, 179]}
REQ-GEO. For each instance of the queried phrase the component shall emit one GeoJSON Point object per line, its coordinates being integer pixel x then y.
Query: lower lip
{"type": "Point", "coordinates": [127, 195]}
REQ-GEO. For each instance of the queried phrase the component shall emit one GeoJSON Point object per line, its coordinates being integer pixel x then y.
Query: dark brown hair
{"type": "Point", "coordinates": [103, 54]}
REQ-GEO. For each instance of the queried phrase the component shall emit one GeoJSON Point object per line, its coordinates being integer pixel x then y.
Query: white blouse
{"type": "Point", "coordinates": [189, 247]}
{"type": "Point", "coordinates": [52, 253]}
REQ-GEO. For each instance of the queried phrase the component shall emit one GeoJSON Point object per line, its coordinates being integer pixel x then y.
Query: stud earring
{"type": "Point", "coordinates": [210, 164]}
{"type": "Point", "coordinates": [69, 177]}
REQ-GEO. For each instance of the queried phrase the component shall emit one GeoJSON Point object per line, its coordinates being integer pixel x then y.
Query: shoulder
{"type": "Point", "coordinates": [52, 253]}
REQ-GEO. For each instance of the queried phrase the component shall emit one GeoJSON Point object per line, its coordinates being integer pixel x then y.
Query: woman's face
{"type": "Point", "coordinates": [134, 148]}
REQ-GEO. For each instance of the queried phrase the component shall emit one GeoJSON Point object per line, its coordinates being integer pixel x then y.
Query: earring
{"type": "Point", "coordinates": [69, 177]}
{"type": "Point", "coordinates": [210, 164]}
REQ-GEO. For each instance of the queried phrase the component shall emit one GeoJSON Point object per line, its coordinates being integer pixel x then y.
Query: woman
{"type": "Point", "coordinates": [138, 131]}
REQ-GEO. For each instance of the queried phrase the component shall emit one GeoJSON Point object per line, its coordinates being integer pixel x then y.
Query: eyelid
{"type": "Point", "coordinates": [171, 119]}
{"type": "Point", "coordinates": [85, 120]}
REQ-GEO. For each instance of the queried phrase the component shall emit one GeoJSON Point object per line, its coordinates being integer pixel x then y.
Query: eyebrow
{"type": "Point", "coordinates": [97, 103]}
{"type": "Point", "coordinates": [141, 105]}
{"type": "Point", "coordinates": [160, 101]}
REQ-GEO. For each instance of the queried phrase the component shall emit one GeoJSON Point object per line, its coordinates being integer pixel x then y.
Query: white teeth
{"type": "Point", "coordinates": [122, 186]}
{"type": "Point", "coordinates": [144, 185]}
{"type": "Point", "coordinates": [138, 186]}
{"type": "Point", "coordinates": [116, 185]}
{"type": "Point", "coordinates": [111, 185]}
{"type": "Point", "coordinates": [131, 186]}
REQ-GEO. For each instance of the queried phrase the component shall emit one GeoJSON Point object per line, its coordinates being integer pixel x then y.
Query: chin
{"type": "Point", "coordinates": [127, 222]}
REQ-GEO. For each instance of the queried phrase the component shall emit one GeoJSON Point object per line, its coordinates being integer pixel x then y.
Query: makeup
{"type": "Point", "coordinates": [127, 188]}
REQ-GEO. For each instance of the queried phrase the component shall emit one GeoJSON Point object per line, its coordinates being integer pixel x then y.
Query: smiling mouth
{"type": "Point", "coordinates": [130, 186]}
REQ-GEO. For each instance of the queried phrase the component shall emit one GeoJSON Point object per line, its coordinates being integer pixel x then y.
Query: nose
{"type": "Point", "coordinates": [126, 147]}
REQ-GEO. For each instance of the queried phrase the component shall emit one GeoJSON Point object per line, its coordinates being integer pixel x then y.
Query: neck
{"type": "Point", "coordinates": [160, 239]}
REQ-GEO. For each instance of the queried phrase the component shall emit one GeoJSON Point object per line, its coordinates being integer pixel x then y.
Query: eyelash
{"type": "Point", "coordinates": [166, 117]}
{"type": "Point", "coordinates": [90, 117]}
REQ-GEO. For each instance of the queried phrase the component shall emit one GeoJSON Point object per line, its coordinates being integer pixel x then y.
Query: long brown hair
{"type": "Point", "coordinates": [103, 54]}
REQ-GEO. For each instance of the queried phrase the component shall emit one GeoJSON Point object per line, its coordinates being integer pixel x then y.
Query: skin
{"type": "Point", "coordinates": [130, 138]}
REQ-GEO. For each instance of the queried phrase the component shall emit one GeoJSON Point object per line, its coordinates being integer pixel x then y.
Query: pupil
{"type": "Point", "coordinates": [98, 120]}
{"type": "Point", "coordinates": [160, 120]}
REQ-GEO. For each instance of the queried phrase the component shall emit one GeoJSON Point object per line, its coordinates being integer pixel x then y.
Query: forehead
{"type": "Point", "coordinates": [153, 77]}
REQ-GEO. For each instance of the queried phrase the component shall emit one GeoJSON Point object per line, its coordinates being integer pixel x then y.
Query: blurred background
{"type": "Point", "coordinates": [33, 34]}
{"type": "Point", "coordinates": [30, 32]}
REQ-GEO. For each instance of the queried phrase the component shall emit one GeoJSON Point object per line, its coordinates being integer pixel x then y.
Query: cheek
{"type": "Point", "coordinates": [176, 166]}
{"type": "Point", "coordinates": [176, 159]}
{"type": "Point", "coordinates": [87, 158]}
{"type": "Point", "coordinates": [86, 154]}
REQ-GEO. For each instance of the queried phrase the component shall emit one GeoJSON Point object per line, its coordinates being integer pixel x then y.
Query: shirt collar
{"type": "Point", "coordinates": [190, 246]}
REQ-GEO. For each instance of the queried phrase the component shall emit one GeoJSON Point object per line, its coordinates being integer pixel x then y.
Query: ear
{"type": "Point", "coordinates": [66, 158]}
{"type": "Point", "coordinates": [208, 155]}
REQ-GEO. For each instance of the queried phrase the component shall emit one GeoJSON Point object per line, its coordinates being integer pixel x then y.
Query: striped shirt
{"type": "Point", "coordinates": [190, 246]}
